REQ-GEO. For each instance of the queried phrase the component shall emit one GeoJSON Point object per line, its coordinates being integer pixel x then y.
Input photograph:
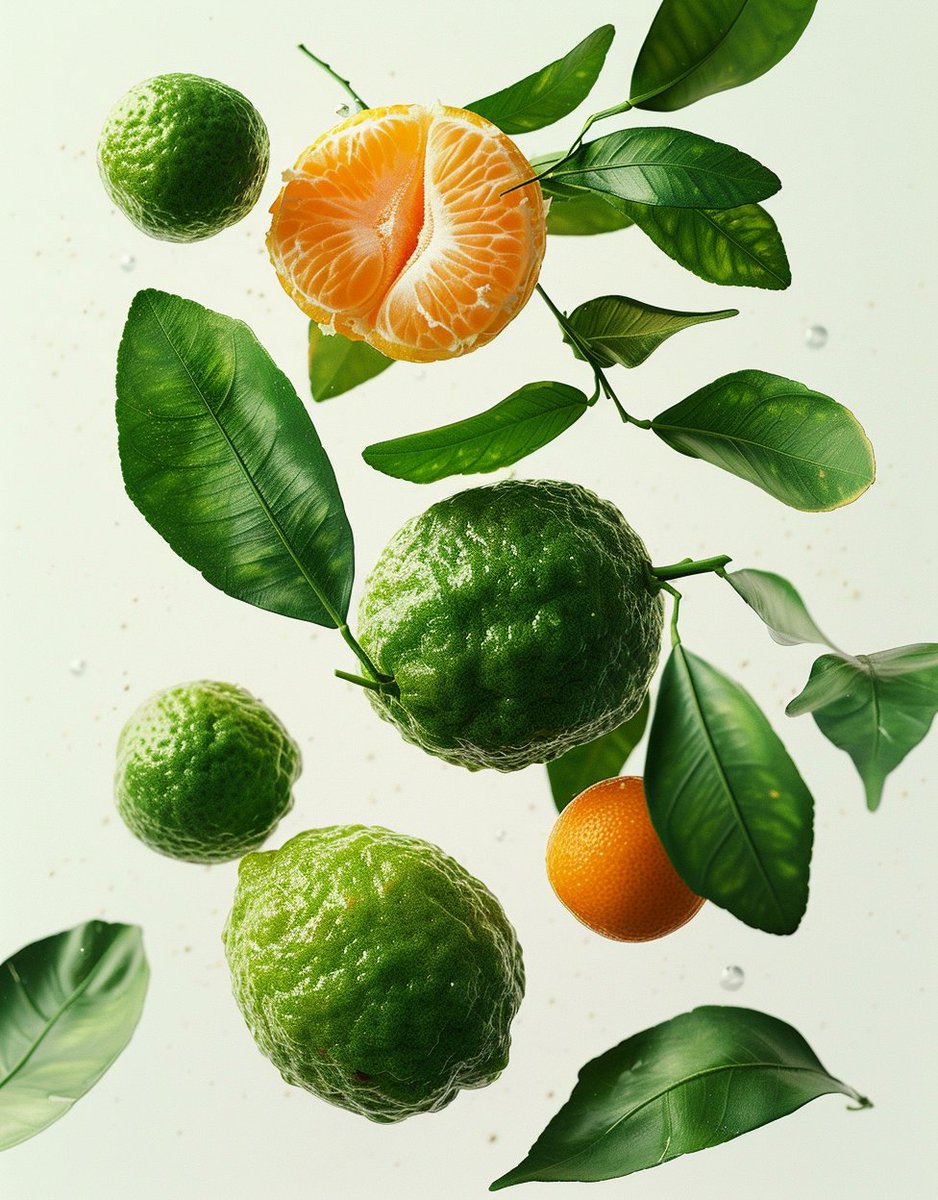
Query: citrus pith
{"type": "Point", "coordinates": [398, 228]}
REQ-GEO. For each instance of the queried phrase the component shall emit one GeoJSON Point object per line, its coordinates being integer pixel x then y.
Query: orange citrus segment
{"type": "Point", "coordinates": [397, 228]}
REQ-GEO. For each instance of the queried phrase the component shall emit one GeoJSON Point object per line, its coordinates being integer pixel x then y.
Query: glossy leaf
{"type": "Point", "coordinates": [876, 707]}
{"type": "Point", "coordinates": [573, 212]}
{"type": "Point", "coordinates": [68, 1007]}
{"type": "Point", "coordinates": [603, 758]}
{"type": "Point", "coordinates": [734, 815]}
{"type": "Point", "coordinates": [800, 446]}
{"type": "Point", "coordinates": [740, 247]}
{"type": "Point", "coordinates": [696, 1081]}
{"type": "Point", "coordinates": [222, 459]}
{"type": "Point", "coordinates": [669, 167]}
{"type": "Point", "coordinates": [696, 48]}
{"type": "Point", "coordinates": [779, 605]}
{"type": "Point", "coordinates": [625, 331]}
{"type": "Point", "coordinates": [517, 426]}
{"type": "Point", "coordinates": [337, 365]}
{"type": "Point", "coordinates": [549, 94]}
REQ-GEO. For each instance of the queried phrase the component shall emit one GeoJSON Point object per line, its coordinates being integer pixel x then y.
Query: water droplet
{"type": "Point", "coordinates": [501, 835]}
{"type": "Point", "coordinates": [815, 336]}
{"type": "Point", "coordinates": [732, 978]}
{"type": "Point", "coordinates": [128, 262]}
{"type": "Point", "coordinates": [77, 666]}
{"type": "Point", "coordinates": [342, 110]}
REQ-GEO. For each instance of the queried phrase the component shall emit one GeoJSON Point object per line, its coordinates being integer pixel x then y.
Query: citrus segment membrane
{"type": "Point", "coordinates": [397, 228]}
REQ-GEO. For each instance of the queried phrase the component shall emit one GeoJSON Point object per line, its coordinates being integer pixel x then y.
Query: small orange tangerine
{"type": "Point", "coordinates": [398, 228]}
{"type": "Point", "coordinates": [607, 865]}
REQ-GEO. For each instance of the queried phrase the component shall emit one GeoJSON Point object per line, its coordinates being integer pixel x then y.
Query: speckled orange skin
{"type": "Point", "coordinates": [608, 867]}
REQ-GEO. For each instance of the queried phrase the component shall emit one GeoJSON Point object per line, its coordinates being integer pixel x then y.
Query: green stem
{"type": "Point", "coordinates": [614, 111]}
{"type": "Point", "coordinates": [689, 566]}
{"type": "Point", "coordinates": [362, 656]}
{"type": "Point", "coordinates": [675, 611]}
{"type": "Point", "coordinates": [343, 83]}
{"type": "Point", "coordinates": [598, 373]}
{"type": "Point", "coordinates": [384, 687]}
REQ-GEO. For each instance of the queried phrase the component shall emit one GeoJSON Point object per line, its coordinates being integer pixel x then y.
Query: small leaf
{"type": "Point", "coordinates": [696, 1081]}
{"type": "Point", "coordinates": [800, 446]}
{"type": "Point", "coordinates": [549, 94]}
{"type": "Point", "coordinates": [602, 758]}
{"type": "Point", "coordinates": [573, 212]}
{"type": "Point", "coordinates": [624, 331]}
{"type": "Point", "coordinates": [876, 707]}
{"type": "Point", "coordinates": [68, 1007]}
{"type": "Point", "coordinates": [737, 246]}
{"type": "Point", "coordinates": [669, 167]}
{"type": "Point", "coordinates": [732, 812]}
{"type": "Point", "coordinates": [517, 426]}
{"type": "Point", "coordinates": [779, 605]}
{"type": "Point", "coordinates": [696, 48]}
{"type": "Point", "coordinates": [337, 365]}
{"type": "Point", "coordinates": [222, 459]}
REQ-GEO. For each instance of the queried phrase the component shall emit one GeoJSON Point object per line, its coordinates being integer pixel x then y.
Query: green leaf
{"type": "Point", "coordinates": [779, 605]}
{"type": "Point", "coordinates": [669, 167]}
{"type": "Point", "coordinates": [517, 426]}
{"type": "Point", "coordinates": [602, 758]}
{"type": "Point", "coordinates": [737, 246]}
{"type": "Point", "coordinates": [698, 1080]}
{"type": "Point", "coordinates": [696, 48]}
{"type": "Point", "coordinates": [222, 459]}
{"type": "Point", "coordinates": [573, 212]}
{"type": "Point", "coordinates": [800, 446]}
{"type": "Point", "coordinates": [732, 812]}
{"type": "Point", "coordinates": [549, 94]}
{"type": "Point", "coordinates": [876, 707]}
{"type": "Point", "coordinates": [68, 1007]}
{"type": "Point", "coordinates": [624, 331]}
{"type": "Point", "coordinates": [337, 365]}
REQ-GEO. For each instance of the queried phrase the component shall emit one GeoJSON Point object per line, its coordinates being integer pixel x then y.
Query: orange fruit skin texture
{"type": "Point", "coordinates": [394, 228]}
{"type": "Point", "coordinates": [608, 867]}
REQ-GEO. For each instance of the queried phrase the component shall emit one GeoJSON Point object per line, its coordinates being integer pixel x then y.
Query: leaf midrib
{"type": "Point", "coordinates": [265, 507]}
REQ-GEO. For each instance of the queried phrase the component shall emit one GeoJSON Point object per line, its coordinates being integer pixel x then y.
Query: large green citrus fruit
{"type": "Point", "coordinates": [183, 156]}
{"type": "Point", "coordinates": [518, 620]}
{"type": "Point", "coordinates": [204, 772]}
{"type": "Point", "coordinates": [373, 970]}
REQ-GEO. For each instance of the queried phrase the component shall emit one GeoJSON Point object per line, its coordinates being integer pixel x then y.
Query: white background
{"type": "Point", "coordinates": [192, 1110]}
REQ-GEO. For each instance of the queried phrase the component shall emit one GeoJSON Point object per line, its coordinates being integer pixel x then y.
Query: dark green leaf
{"type": "Point", "coordinates": [547, 95]}
{"type": "Point", "coordinates": [337, 365]}
{"type": "Point", "coordinates": [779, 605]}
{"type": "Point", "coordinates": [602, 758]}
{"type": "Point", "coordinates": [517, 426]}
{"type": "Point", "coordinates": [624, 331]}
{"type": "Point", "coordinates": [68, 1007]}
{"type": "Point", "coordinates": [669, 167]}
{"type": "Point", "coordinates": [222, 459]}
{"type": "Point", "coordinates": [696, 48]}
{"type": "Point", "coordinates": [734, 815]}
{"type": "Point", "coordinates": [698, 1080]}
{"type": "Point", "coordinates": [800, 446]}
{"type": "Point", "coordinates": [737, 246]}
{"type": "Point", "coordinates": [877, 707]}
{"type": "Point", "coordinates": [573, 212]}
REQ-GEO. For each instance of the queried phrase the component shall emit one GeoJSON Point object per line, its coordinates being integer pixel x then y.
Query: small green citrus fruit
{"type": "Point", "coordinates": [183, 156]}
{"type": "Point", "coordinates": [518, 620]}
{"type": "Point", "coordinates": [204, 772]}
{"type": "Point", "coordinates": [373, 970]}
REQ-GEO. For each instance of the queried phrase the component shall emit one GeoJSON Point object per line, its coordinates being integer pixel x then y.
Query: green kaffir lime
{"type": "Point", "coordinates": [373, 970]}
{"type": "Point", "coordinates": [183, 156]}
{"type": "Point", "coordinates": [518, 620]}
{"type": "Point", "coordinates": [204, 772]}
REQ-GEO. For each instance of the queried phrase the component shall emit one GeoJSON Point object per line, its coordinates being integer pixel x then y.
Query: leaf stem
{"type": "Point", "coordinates": [384, 687]}
{"type": "Point", "coordinates": [689, 566]}
{"type": "Point", "coordinates": [675, 611]}
{"type": "Point", "coordinates": [602, 383]}
{"type": "Point", "coordinates": [349, 638]}
{"type": "Point", "coordinates": [614, 111]}
{"type": "Point", "coordinates": [343, 83]}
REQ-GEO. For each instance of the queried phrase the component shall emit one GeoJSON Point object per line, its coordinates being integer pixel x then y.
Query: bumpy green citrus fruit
{"type": "Point", "coordinates": [518, 620]}
{"type": "Point", "coordinates": [183, 156]}
{"type": "Point", "coordinates": [204, 772]}
{"type": "Point", "coordinates": [373, 970]}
